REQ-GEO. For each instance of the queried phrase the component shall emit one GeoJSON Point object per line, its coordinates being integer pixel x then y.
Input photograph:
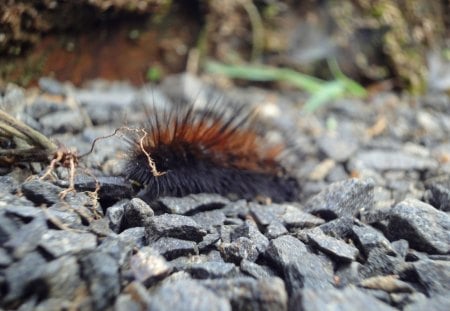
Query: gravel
{"type": "Point", "coordinates": [370, 230]}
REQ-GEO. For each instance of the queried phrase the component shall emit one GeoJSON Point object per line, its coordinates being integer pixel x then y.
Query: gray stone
{"type": "Point", "coordinates": [255, 270]}
{"type": "Point", "coordinates": [175, 226]}
{"type": "Point", "coordinates": [209, 220]}
{"type": "Point", "coordinates": [366, 238]}
{"type": "Point", "coordinates": [41, 192]}
{"type": "Point", "coordinates": [193, 203]}
{"type": "Point", "coordinates": [62, 278]}
{"type": "Point", "coordinates": [275, 229]}
{"type": "Point", "coordinates": [335, 248]}
{"type": "Point", "coordinates": [102, 274]}
{"type": "Point", "coordinates": [246, 293]}
{"type": "Point", "coordinates": [401, 247]}
{"type": "Point", "coordinates": [348, 299]}
{"type": "Point", "coordinates": [20, 274]}
{"type": "Point", "coordinates": [347, 274]}
{"type": "Point", "coordinates": [51, 86]}
{"type": "Point", "coordinates": [186, 295]}
{"type": "Point", "coordinates": [436, 303]}
{"type": "Point", "coordinates": [239, 249]}
{"type": "Point", "coordinates": [388, 283]}
{"type": "Point", "coordinates": [208, 241]}
{"type": "Point", "coordinates": [27, 238]}
{"type": "Point", "coordinates": [434, 275]}
{"type": "Point", "coordinates": [59, 242]}
{"type": "Point", "coordinates": [172, 248]}
{"type": "Point", "coordinates": [136, 214]}
{"type": "Point", "coordinates": [117, 249]}
{"type": "Point", "coordinates": [293, 217]}
{"type": "Point", "coordinates": [380, 263]}
{"type": "Point", "coordinates": [125, 302]}
{"type": "Point", "coordinates": [339, 228]}
{"type": "Point", "coordinates": [134, 236]}
{"type": "Point", "coordinates": [5, 259]}
{"type": "Point", "coordinates": [343, 198]}
{"type": "Point", "coordinates": [148, 266]}
{"type": "Point", "coordinates": [62, 122]}
{"type": "Point", "coordinates": [336, 148]}
{"type": "Point", "coordinates": [211, 270]}
{"type": "Point", "coordinates": [115, 215]}
{"type": "Point", "coordinates": [385, 160]}
{"type": "Point", "coordinates": [439, 192]}
{"type": "Point", "coordinates": [424, 227]}
{"type": "Point", "coordinates": [63, 215]}
{"type": "Point", "coordinates": [251, 231]}
{"type": "Point", "coordinates": [299, 267]}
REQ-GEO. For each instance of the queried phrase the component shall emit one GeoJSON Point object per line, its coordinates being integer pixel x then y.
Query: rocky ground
{"type": "Point", "coordinates": [371, 229]}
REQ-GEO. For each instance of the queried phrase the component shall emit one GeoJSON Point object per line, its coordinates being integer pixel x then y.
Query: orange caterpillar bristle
{"type": "Point", "coordinates": [183, 152]}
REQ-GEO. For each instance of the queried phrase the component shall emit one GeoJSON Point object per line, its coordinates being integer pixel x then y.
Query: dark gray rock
{"type": "Point", "coordinates": [347, 299]}
{"type": "Point", "coordinates": [117, 249]}
{"type": "Point", "coordinates": [24, 212]}
{"type": "Point", "coordinates": [338, 149]}
{"type": "Point", "coordinates": [400, 247]}
{"type": "Point", "coordinates": [255, 270]}
{"type": "Point", "coordinates": [27, 238]}
{"type": "Point", "coordinates": [175, 226]}
{"type": "Point", "coordinates": [439, 192]}
{"type": "Point", "coordinates": [380, 263]}
{"type": "Point", "coordinates": [134, 236]}
{"type": "Point", "coordinates": [339, 228]}
{"type": "Point", "coordinates": [59, 242]}
{"type": "Point", "coordinates": [61, 214]}
{"type": "Point", "coordinates": [115, 215]}
{"type": "Point", "coordinates": [208, 241]}
{"type": "Point", "coordinates": [136, 214]}
{"type": "Point", "coordinates": [8, 227]}
{"type": "Point", "coordinates": [148, 266]}
{"type": "Point", "coordinates": [298, 266]}
{"type": "Point", "coordinates": [239, 249]}
{"type": "Point", "coordinates": [21, 274]}
{"type": "Point", "coordinates": [436, 303]}
{"type": "Point", "coordinates": [434, 276]}
{"type": "Point", "coordinates": [102, 274]}
{"type": "Point", "coordinates": [62, 278]}
{"type": "Point", "coordinates": [172, 248]}
{"type": "Point", "coordinates": [192, 203]}
{"type": "Point", "coordinates": [100, 227]}
{"type": "Point", "coordinates": [249, 294]}
{"type": "Point", "coordinates": [62, 122]}
{"type": "Point", "coordinates": [209, 220]}
{"type": "Point", "coordinates": [275, 229]}
{"type": "Point", "coordinates": [367, 238]}
{"type": "Point", "coordinates": [212, 270]}
{"type": "Point", "coordinates": [343, 198]}
{"type": "Point", "coordinates": [335, 248]}
{"type": "Point", "coordinates": [41, 192]}
{"type": "Point", "coordinates": [251, 231]}
{"type": "Point", "coordinates": [186, 295]}
{"type": "Point", "coordinates": [424, 227]}
{"type": "Point", "coordinates": [386, 160]}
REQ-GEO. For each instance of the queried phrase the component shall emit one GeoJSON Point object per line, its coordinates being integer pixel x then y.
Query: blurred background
{"type": "Point", "coordinates": [381, 44]}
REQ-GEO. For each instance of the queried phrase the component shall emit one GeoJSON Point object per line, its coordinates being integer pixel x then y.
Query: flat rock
{"type": "Point", "coordinates": [102, 274]}
{"type": "Point", "coordinates": [210, 220]}
{"type": "Point", "coordinates": [172, 248]}
{"type": "Point", "coordinates": [347, 299]}
{"type": "Point", "coordinates": [62, 122]}
{"type": "Point", "coordinates": [338, 149]}
{"type": "Point", "coordinates": [385, 160]}
{"type": "Point", "coordinates": [342, 199]}
{"type": "Point", "coordinates": [212, 270]}
{"type": "Point", "coordinates": [175, 226]}
{"type": "Point", "coordinates": [275, 229]}
{"type": "Point", "coordinates": [186, 295]}
{"type": "Point", "coordinates": [367, 238]}
{"type": "Point", "coordinates": [136, 214]}
{"type": "Point", "coordinates": [255, 270]}
{"type": "Point", "coordinates": [41, 192]}
{"type": "Point", "coordinates": [117, 248]}
{"type": "Point", "coordinates": [338, 249]}
{"type": "Point", "coordinates": [27, 238]}
{"type": "Point", "coordinates": [59, 242]}
{"type": "Point", "coordinates": [193, 203]}
{"type": "Point", "coordinates": [246, 293]}
{"type": "Point", "coordinates": [299, 267]}
{"type": "Point", "coordinates": [134, 236]}
{"type": "Point", "coordinates": [434, 275]}
{"type": "Point", "coordinates": [424, 227]}
{"type": "Point", "coordinates": [251, 231]}
{"type": "Point", "coordinates": [148, 266]}
{"type": "Point", "coordinates": [238, 250]}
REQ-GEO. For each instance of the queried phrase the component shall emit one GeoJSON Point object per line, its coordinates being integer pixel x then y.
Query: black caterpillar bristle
{"type": "Point", "coordinates": [183, 152]}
